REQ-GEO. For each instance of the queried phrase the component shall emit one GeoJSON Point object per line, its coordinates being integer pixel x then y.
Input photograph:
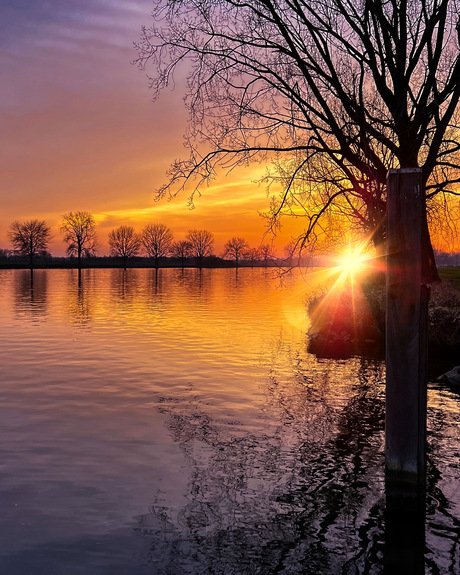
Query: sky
{"type": "Point", "coordinates": [79, 129]}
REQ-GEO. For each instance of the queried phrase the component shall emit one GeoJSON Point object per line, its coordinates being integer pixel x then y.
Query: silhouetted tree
{"type": "Point", "coordinates": [181, 249]}
{"type": "Point", "coordinates": [79, 234]}
{"type": "Point", "coordinates": [201, 244]}
{"type": "Point", "coordinates": [338, 92]}
{"type": "Point", "coordinates": [289, 251]}
{"type": "Point", "coordinates": [251, 255]}
{"type": "Point", "coordinates": [124, 243]}
{"type": "Point", "coordinates": [30, 238]}
{"type": "Point", "coordinates": [157, 240]}
{"type": "Point", "coordinates": [266, 251]}
{"type": "Point", "coordinates": [234, 248]}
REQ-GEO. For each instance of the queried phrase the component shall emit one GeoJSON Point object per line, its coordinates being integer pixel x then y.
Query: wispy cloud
{"type": "Point", "coordinates": [79, 130]}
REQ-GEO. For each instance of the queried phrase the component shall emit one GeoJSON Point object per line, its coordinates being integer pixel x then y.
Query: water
{"type": "Point", "coordinates": [174, 423]}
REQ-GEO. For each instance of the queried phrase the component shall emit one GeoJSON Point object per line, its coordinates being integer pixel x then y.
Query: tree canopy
{"type": "Point", "coordinates": [234, 248]}
{"type": "Point", "coordinates": [157, 240]}
{"type": "Point", "coordinates": [79, 234]}
{"type": "Point", "coordinates": [31, 238]}
{"type": "Point", "coordinates": [201, 244]}
{"type": "Point", "coordinates": [124, 242]}
{"type": "Point", "coordinates": [333, 92]}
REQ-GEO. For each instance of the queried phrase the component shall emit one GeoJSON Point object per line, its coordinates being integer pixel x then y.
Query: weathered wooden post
{"type": "Point", "coordinates": [406, 331]}
{"type": "Point", "coordinates": [406, 398]}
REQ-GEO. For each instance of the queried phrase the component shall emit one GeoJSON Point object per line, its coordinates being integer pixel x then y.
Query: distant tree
{"type": "Point", "coordinates": [266, 252]}
{"type": "Point", "coordinates": [181, 249]}
{"type": "Point", "coordinates": [79, 234]}
{"type": "Point", "coordinates": [124, 243]}
{"type": "Point", "coordinates": [290, 251]}
{"type": "Point", "coordinates": [234, 248]}
{"type": "Point", "coordinates": [157, 240]}
{"type": "Point", "coordinates": [30, 238]}
{"type": "Point", "coordinates": [251, 255]}
{"type": "Point", "coordinates": [447, 258]}
{"type": "Point", "coordinates": [5, 254]}
{"type": "Point", "coordinates": [201, 242]}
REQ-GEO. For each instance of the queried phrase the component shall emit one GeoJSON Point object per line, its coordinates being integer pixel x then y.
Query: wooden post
{"type": "Point", "coordinates": [406, 333]}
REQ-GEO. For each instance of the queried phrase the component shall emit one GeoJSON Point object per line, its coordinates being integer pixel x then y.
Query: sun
{"type": "Point", "coordinates": [353, 261]}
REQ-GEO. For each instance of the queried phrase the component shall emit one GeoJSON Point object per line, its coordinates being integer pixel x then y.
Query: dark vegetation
{"type": "Point", "coordinates": [11, 261]}
{"type": "Point", "coordinates": [352, 321]}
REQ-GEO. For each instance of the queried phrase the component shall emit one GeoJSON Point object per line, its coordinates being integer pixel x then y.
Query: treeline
{"type": "Point", "coordinates": [153, 246]}
{"type": "Point", "coordinates": [447, 258]}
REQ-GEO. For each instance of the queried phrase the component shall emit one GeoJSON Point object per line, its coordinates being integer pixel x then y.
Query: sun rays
{"type": "Point", "coordinates": [340, 314]}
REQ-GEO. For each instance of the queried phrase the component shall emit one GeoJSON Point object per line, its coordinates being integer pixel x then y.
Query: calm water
{"type": "Point", "coordinates": [174, 423]}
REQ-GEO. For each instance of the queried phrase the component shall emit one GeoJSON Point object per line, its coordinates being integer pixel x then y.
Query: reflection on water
{"type": "Point", "coordinates": [31, 293]}
{"type": "Point", "coordinates": [187, 430]}
{"type": "Point", "coordinates": [290, 499]}
{"type": "Point", "coordinates": [79, 304]}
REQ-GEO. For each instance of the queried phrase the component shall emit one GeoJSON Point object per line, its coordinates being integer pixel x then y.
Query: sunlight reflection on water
{"type": "Point", "coordinates": [174, 422]}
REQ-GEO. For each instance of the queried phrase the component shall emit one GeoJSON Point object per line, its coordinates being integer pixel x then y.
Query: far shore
{"type": "Point", "coordinates": [18, 262]}
{"type": "Point", "coordinates": [448, 273]}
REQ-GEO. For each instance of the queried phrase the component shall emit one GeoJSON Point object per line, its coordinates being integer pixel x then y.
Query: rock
{"type": "Point", "coordinates": [452, 376]}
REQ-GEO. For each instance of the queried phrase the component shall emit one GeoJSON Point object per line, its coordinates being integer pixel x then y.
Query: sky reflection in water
{"type": "Point", "coordinates": [174, 423]}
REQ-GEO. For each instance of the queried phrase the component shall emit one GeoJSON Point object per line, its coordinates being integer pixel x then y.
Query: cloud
{"type": "Point", "coordinates": [79, 130]}
{"type": "Point", "coordinates": [66, 25]}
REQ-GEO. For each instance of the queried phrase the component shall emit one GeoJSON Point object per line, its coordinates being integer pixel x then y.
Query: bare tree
{"type": "Point", "coordinates": [201, 242]}
{"type": "Point", "coordinates": [266, 251]}
{"type": "Point", "coordinates": [124, 243]}
{"type": "Point", "coordinates": [251, 255]}
{"type": "Point", "coordinates": [181, 249]}
{"type": "Point", "coordinates": [335, 91]}
{"type": "Point", "coordinates": [30, 238]}
{"type": "Point", "coordinates": [157, 240]}
{"type": "Point", "coordinates": [234, 248]}
{"type": "Point", "coordinates": [79, 234]}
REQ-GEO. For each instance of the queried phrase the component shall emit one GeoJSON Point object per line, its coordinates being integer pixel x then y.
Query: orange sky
{"type": "Point", "coordinates": [79, 130]}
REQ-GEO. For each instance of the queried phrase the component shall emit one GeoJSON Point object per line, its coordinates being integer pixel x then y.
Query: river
{"type": "Point", "coordinates": [173, 422]}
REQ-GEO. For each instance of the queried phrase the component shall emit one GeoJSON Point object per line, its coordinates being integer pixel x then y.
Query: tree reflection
{"type": "Point", "coordinates": [31, 293]}
{"type": "Point", "coordinates": [79, 304]}
{"type": "Point", "coordinates": [155, 282]}
{"type": "Point", "coordinates": [305, 496]}
{"type": "Point", "coordinates": [197, 282]}
{"type": "Point", "coordinates": [125, 284]}
{"type": "Point", "coordinates": [270, 503]}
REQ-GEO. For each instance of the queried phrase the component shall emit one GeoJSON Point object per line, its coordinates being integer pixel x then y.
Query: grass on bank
{"type": "Point", "coordinates": [451, 276]}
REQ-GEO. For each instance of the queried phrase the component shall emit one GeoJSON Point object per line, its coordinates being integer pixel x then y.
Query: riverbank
{"type": "Point", "coordinates": [352, 321]}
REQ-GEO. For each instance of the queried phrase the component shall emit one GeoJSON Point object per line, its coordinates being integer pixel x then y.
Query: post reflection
{"type": "Point", "coordinates": [404, 530]}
